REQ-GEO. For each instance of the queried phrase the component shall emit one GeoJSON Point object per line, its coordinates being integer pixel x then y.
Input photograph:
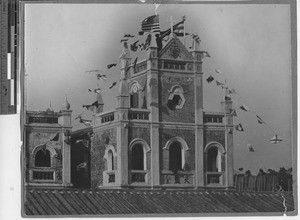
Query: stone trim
{"type": "Point", "coordinates": [214, 144]}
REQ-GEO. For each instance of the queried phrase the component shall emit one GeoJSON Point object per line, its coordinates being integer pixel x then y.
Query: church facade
{"type": "Point", "coordinates": [159, 135]}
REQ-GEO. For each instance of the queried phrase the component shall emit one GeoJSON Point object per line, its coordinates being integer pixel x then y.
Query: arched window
{"type": "Point", "coordinates": [212, 160]}
{"type": "Point", "coordinates": [137, 153]}
{"type": "Point", "coordinates": [42, 158]}
{"type": "Point", "coordinates": [110, 160]}
{"type": "Point", "coordinates": [215, 157]}
{"type": "Point", "coordinates": [175, 156]}
{"type": "Point", "coordinates": [134, 95]}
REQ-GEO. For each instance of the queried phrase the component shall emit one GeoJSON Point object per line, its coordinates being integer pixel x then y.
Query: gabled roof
{"type": "Point", "coordinates": [175, 50]}
{"type": "Point", "coordinates": [40, 201]}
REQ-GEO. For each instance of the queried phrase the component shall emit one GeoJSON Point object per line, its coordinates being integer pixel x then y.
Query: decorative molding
{"type": "Point", "coordinates": [176, 139]}
{"type": "Point", "coordinates": [140, 141]}
{"type": "Point", "coordinates": [175, 50]}
{"type": "Point", "coordinates": [179, 80]}
{"type": "Point", "coordinates": [214, 144]}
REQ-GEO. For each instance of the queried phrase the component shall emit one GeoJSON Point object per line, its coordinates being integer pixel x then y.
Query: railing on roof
{"type": "Point", "coordinates": [138, 114]}
{"type": "Point", "coordinates": [141, 66]}
{"type": "Point", "coordinates": [43, 175]}
{"type": "Point", "coordinates": [210, 118]}
{"type": "Point", "coordinates": [109, 117]}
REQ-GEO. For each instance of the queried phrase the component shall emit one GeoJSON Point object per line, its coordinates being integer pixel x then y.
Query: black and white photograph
{"type": "Point", "coordinates": [157, 108]}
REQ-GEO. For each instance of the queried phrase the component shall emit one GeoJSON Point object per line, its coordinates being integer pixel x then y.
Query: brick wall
{"type": "Point", "coordinates": [187, 113]}
{"type": "Point", "coordinates": [139, 132]}
{"type": "Point", "coordinates": [214, 135]}
{"type": "Point", "coordinates": [100, 141]}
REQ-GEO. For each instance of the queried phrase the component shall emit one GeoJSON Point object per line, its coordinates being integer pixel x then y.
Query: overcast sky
{"type": "Point", "coordinates": [249, 44]}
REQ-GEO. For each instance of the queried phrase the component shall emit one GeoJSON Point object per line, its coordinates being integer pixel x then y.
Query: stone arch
{"type": "Point", "coordinates": [170, 155]}
{"type": "Point", "coordinates": [39, 147]}
{"type": "Point", "coordinates": [134, 92]}
{"type": "Point", "coordinates": [51, 150]}
{"type": "Point", "coordinates": [214, 156]}
{"type": "Point", "coordinates": [214, 144]}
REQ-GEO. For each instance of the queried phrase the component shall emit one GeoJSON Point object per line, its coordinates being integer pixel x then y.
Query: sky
{"type": "Point", "coordinates": [249, 43]}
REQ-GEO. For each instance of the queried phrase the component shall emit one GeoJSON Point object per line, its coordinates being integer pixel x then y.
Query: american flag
{"type": "Point", "coordinates": [151, 24]}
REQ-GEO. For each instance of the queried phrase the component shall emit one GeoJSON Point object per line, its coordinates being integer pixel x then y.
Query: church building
{"type": "Point", "coordinates": [159, 135]}
{"type": "Point", "coordinates": [158, 150]}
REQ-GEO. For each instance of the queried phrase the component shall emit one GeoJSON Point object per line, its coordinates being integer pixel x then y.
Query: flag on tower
{"type": "Point", "coordinates": [178, 29]}
{"type": "Point", "coordinates": [210, 79]}
{"type": "Point", "coordinates": [205, 54]}
{"type": "Point", "coordinates": [219, 83]}
{"type": "Point", "coordinates": [123, 40]}
{"type": "Point", "coordinates": [275, 139]}
{"type": "Point", "coordinates": [259, 119]}
{"type": "Point", "coordinates": [134, 46]}
{"type": "Point", "coordinates": [101, 76]}
{"type": "Point", "coordinates": [196, 37]}
{"type": "Point", "coordinates": [239, 127]}
{"type": "Point", "coordinates": [111, 65]}
{"type": "Point", "coordinates": [151, 24]}
{"type": "Point", "coordinates": [245, 108]}
{"type": "Point", "coordinates": [112, 85]}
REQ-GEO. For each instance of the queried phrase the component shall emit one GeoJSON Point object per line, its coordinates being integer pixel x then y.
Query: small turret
{"type": "Point", "coordinates": [66, 105]}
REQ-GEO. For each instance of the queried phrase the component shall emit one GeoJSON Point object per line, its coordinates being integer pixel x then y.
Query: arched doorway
{"type": "Point", "coordinates": [137, 157]}
{"type": "Point", "coordinates": [213, 160]}
{"type": "Point", "coordinates": [175, 156]}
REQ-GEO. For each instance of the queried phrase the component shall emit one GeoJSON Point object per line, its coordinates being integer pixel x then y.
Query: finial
{"type": "Point", "coordinates": [66, 105]}
{"type": "Point", "coordinates": [156, 5]}
{"type": "Point", "coordinates": [171, 24]}
{"type": "Point", "coordinates": [50, 109]}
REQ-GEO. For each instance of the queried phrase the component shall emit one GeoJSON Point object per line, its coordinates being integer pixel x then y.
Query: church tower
{"type": "Point", "coordinates": [160, 135]}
